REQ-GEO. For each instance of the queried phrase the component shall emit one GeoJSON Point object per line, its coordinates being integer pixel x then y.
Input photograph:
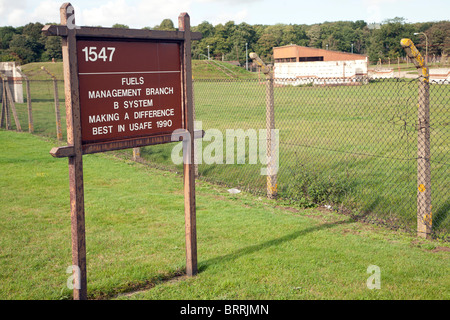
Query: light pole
{"type": "Point", "coordinates": [246, 56]}
{"type": "Point", "coordinates": [426, 45]}
{"type": "Point", "coordinates": [352, 47]}
{"type": "Point", "coordinates": [208, 50]}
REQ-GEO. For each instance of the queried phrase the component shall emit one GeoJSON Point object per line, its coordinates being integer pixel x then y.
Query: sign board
{"type": "Point", "coordinates": [128, 89]}
{"type": "Point", "coordinates": [125, 88]}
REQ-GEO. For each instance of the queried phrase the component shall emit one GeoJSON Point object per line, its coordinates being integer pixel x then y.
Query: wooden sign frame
{"type": "Point", "coordinates": [75, 149]}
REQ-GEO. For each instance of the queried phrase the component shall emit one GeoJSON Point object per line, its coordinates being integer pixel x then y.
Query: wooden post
{"type": "Point", "coordinates": [30, 112]}
{"type": "Point", "coordinates": [136, 153]}
{"type": "Point", "coordinates": [7, 113]}
{"type": "Point", "coordinates": [13, 108]}
{"type": "Point", "coordinates": [424, 214]}
{"type": "Point", "coordinates": [75, 161]}
{"type": "Point", "coordinates": [196, 146]}
{"type": "Point", "coordinates": [272, 188]}
{"type": "Point", "coordinates": [4, 105]}
{"type": "Point", "coordinates": [57, 111]}
{"type": "Point", "coordinates": [188, 153]}
{"type": "Point", "coordinates": [56, 99]}
{"type": "Point", "coordinates": [9, 99]}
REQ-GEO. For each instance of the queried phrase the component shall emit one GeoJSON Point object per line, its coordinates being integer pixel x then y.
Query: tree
{"type": "Point", "coordinates": [314, 35]}
{"type": "Point", "coordinates": [53, 48]}
{"type": "Point", "coordinates": [288, 36]}
{"type": "Point", "coordinates": [6, 34]}
{"type": "Point", "coordinates": [438, 39]}
{"type": "Point", "coordinates": [243, 34]}
{"type": "Point", "coordinates": [385, 42]}
{"type": "Point", "coordinates": [264, 46]}
{"type": "Point", "coordinates": [166, 24]}
{"type": "Point", "coordinates": [28, 44]}
{"type": "Point", "coordinates": [206, 29]}
{"type": "Point", "coordinates": [25, 48]}
{"type": "Point", "coordinates": [121, 26]}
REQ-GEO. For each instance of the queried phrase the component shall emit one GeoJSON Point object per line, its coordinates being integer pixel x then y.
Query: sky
{"type": "Point", "coordinates": [148, 13]}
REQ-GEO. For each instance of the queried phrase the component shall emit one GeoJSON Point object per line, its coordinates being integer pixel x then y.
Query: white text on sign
{"type": "Point", "coordinates": [91, 54]}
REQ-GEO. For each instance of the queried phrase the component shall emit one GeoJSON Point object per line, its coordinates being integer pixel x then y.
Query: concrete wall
{"type": "Point", "coordinates": [381, 74]}
{"type": "Point", "coordinates": [12, 72]}
{"type": "Point", "coordinates": [320, 72]}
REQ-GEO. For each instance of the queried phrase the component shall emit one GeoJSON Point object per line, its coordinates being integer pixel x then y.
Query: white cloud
{"type": "Point", "coordinates": [237, 17]}
{"type": "Point", "coordinates": [240, 2]}
{"type": "Point", "coordinates": [19, 12]}
{"type": "Point", "coordinates": [140, 14]}
{"type": "Point", "coordinates": [376, 8]}
{"type": "Point", "coordinates": [7, 6]}
{"type": "Point", "coordinates": [135, 13]}
{"type": "Point", "coordinates": [46, 11]}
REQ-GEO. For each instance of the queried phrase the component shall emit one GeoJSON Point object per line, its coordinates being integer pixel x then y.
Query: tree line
{"type": "Point", "coordinates": [230, 41]}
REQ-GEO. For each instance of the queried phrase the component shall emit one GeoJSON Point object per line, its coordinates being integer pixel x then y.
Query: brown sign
{"type": "Point", "coordinates": [124, 88]}
{"type": "Point", "coordinates": [128, 89]}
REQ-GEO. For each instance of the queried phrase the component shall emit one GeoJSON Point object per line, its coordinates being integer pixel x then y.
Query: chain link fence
{"type": "Point", "coordinates": [351, 146]}
{"type": "Point", "coordinates": [37, 114]}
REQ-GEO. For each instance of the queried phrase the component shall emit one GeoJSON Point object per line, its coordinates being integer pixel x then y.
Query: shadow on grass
{"type": "Point", "coordinates": [180, 274]}
{"type": "Point", "coordinates": [271, 243]}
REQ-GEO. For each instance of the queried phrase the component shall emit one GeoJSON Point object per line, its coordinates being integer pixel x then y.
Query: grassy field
{"type": "Point", "coordinates": [201, 69]}
{"type": "Point", "coordinates": [351, 147]}
{"type": "Point", "coordinates": [248, 247]}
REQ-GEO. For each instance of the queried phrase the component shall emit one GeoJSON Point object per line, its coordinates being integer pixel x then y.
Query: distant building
{"type": "Point", "coordinates": [11, 72]}
{"type": "Point", "coordinates": [299, 65]}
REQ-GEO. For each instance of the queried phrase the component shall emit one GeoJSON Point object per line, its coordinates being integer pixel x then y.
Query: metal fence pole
{"type": "Point", "coordinates": [424, 214]}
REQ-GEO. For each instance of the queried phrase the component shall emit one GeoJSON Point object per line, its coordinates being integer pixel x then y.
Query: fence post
{"type": "Point", "coordinates": [190, 212]}
{"type": "Point", "coordinates": [136, 153]}
{"type": "Point", "coordinates": [4, 117]}
{"type": "Point", "coordinates": [424, 214]}
{"type": "Point", "coordinates": [30, 113]}
{"type": "Point", "coordinates": [56, 98]}
{"type": "Point", "coordinates": [8, 96]}
{"type": "Point", "coordinates": [272, 188]}
{"type": "Point", "coordinates": [198, 153]}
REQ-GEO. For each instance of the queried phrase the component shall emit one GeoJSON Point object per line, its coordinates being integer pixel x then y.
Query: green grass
{"type": "Point", "coordinates": [34, 72]}
{"type": "Point", "coordinates": [201, 69]}
{"type": "Point", "coordinates": [350, 147]}
{"type": "Point", "coordinates": [248, 248]}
